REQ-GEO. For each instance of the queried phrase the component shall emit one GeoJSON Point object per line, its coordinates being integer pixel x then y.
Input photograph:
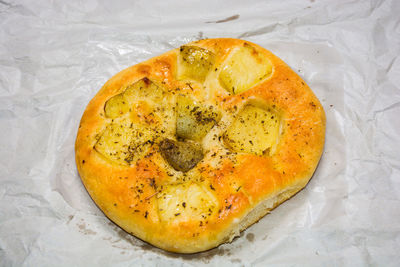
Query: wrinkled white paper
{"type": "Point", "coordinates": [55, 56]}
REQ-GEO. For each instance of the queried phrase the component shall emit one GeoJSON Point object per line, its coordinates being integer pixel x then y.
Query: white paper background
{"type": "Point", "coordinates": [55, 55]}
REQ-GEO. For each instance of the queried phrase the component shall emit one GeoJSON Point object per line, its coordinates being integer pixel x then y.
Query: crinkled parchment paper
{"type": "Point", "coordinates": [55, 56]}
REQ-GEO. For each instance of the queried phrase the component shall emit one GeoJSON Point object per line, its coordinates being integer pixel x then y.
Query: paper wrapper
{"type": "Point", "coordinates": [55, 56]}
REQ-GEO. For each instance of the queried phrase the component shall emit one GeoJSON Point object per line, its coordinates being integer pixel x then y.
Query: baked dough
{"type": "Point", "coordinates": [191, 147]}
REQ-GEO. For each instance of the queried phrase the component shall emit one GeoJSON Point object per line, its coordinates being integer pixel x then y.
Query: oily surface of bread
{"type": "Point", "coordinates": [191, 147]}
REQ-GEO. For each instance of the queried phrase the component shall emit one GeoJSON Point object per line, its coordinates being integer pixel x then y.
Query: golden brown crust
{"type": "Point", "coordinates": [239, 182]}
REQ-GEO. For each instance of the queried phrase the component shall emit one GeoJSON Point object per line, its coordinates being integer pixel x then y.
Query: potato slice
{"type": "Point", "coordinates": [194, 120]}
{"type": "Point", "coordinates": [194, 63]}
{"type": "Point", "coordinates": [123, 142]}
{"type": "Point", "coordinates": [186, 202]}
{"type": "Point", "coordinates": [244, 69]}
{"type": "Point", "coordinates": [144, 89]}
{"type": "Point", "coordinates": [182, 156]}
{"type": "Point", "coordinates": [116, 106]}
{"type": "Point", "coordinates": [255, 130]}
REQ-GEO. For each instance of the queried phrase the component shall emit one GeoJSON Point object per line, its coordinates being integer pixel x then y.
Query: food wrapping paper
{"type": "Point", "coordinates": [55, 56]}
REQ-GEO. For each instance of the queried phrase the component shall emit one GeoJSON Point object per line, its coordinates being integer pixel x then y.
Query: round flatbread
{"type": "Point", "coordinates": [189, 148]}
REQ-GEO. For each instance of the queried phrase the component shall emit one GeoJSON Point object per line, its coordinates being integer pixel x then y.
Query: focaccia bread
{"type": "Point", "coordinates": [189, 148]}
